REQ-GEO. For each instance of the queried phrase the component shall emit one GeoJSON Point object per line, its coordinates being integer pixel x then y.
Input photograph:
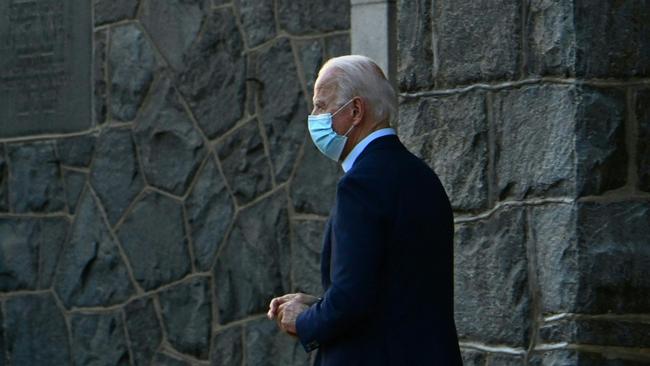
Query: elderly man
{"type": "Point", "coordinates": [387, 260]}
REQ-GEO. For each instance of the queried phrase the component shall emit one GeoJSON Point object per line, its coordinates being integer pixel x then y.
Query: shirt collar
{"type": "Point", "coordinates": [358, 149]}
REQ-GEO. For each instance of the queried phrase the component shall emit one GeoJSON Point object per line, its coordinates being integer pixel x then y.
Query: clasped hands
{"type": "Point", "coordinates": [285, 310]}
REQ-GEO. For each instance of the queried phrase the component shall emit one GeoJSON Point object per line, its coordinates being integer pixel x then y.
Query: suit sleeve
{"type": "Point", "coordinates": [358, 255]}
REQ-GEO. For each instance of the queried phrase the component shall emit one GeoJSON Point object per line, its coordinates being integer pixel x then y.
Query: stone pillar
{"type": "Point", "coordinates": [536, 117]}
{"type": "Point", "coordinates": [373, 32]}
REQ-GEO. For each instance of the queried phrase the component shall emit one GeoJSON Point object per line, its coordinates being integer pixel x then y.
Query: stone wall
{"type": "Point", "coordinates": [536, 116]}
{"type": "Point", "coordinates": [162, 232]}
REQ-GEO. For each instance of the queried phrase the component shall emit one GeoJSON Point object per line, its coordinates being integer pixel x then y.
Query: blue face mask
{"type": "Point", "coordinates": [329, 142]}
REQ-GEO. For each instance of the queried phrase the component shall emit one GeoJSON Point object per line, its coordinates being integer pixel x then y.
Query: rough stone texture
{"type": "Point", "coordinates": [314, 183]}
{"type": "Point", "coordinates": [99, 339]}
{"type": "Point", "coordinates": [244, 162]}
{"type": "Point", "coordinates": [109, 11]}
{"type": "Point", "coordinates": [75, 181]}
{"type": "Point", "coordinates": [76, 151]}
{"type": "Point", "coordinates": [115, 174]}
{"type": "Point", "coordinates": [254, 265]}
{"type": "Point", "coordinates": [3, 356]}
{"type": "Point", "coordinates": [337, 45]}
{"type": "Point", "coordinates": [472, 357]}
{"type": "Point", "coordinates": [283, 107]}
{"type": "Point", "coordinates": [4, 177]}
{"type": "Point", "coordinates": [35, 331]}
{"type": "Point", "coordinates": [153, 238]}
{"type": "Point", "coordinates": [100, 106]}
{"type": "Point", "coordinates": [29, 251]}
{"type": "Point", "coordinates": [553, 228]}
{"type": "Point", "coordinates": [502, 359]}
{"type": "Point", "coordinates": [91, 271]}
{"type": "Point", "coordinates": [614, 236]}
{"type": "Point", "coordinates": [600, 141]}
{"type": "Point", "coordinates": [34, 178]}
{"type": "Point", "coordinates": [143, 330]}
{"type": "Point", "coordinates": [311, 58]}
{"type": "Point", "coordinates": [173, 26]}
{"type": "Point", "coordinates": [491, 279]}
{"type": "Point", "coordinates": [623, 50]}
{"type": "Point", "coordinates": [258, 19]}
{"type": "Point", "coordinates": [131, 65]}
{"type": "Point", "coordinates": [643, 139]}
{"type": "Point", "coordinates": [535, 153]}
{"type": "Point", "coordinates": [597, 332]}
{"type": "Point", "coordinates": [305, 256]}
{"type": "Point", "coordinates": [170, 147]}
{"type": "Point", "coordinates": [579, 358]}
{"type": "Point", "coordinates": [551, 38]}
{"type": "Point", "coordinates": [313, 16]}
{"type": "Point", "coordinates": [213, 77]}
{"type": "Point", "coordinates": [209, 213]}
{"type": "Point", "coordinates": [227, 348]}
{"type": "Point", "coordinates": [266, 345]}
{"type": "Point", "coordinates": [163, 359]}
{"type": "Point", "coordinates": [187, 315]}
{"type": "Point", "coordinates": [476, 42]}
{"type": "Point", "coordinates": [451, 135]}
{"type": "Point", "coordinates": [414, 45]}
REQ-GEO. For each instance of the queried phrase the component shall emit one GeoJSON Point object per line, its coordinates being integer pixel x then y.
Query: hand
{"type": "Point", "coordinates": [288, 313]}
{"type": "Point", "coordinates": [297, 297]}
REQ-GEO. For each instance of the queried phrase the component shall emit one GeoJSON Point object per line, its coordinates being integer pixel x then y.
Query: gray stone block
{"type": "Point", "coordinates": [4, 177]}
{"type": "Point", "coordinates": [91, 271]}
{"type": "Point", "coordinates": [76, 151]}
{"type": "Point", "coordinates": [257, 19]}
{"type": "Point", "coordinates": [314, 185]}
{"type": "Point", "coordinates": [163, 359]}
{"type": "Point", "coordinates": [245, 163]}
{"type": "Point", "coordinates": [154, 240]}
{"type": "Point", "coordinates": [598, 332]}
{"type": "Point", "coordinates": [311, 57]}
{"type": "Point", "coordinates": [144, 331]}
{"type": "Point", "coordinates": [535, 148]}
{"type": "Point", "coordinates": [643, 139]}
{"type": "Point", "coordinates": [307, 242]}
{"type": "Point", "coordinates": [583, 358]}
{"type": "Point", "coordinates": [100, 50]}
{"type": "Point", "coordinates": [313, 16]}
{"type": "Point", "coordinates": [131, 66]}
{"type": "Point", "coordinates": [476, 41]}
{"type": "Point", "coordinates": [34, 178]}
{"type": "Point", "coordinates": [3, 356]}
{"type": "Point", "coordinates": [623, 49]}
{"type": "Point", "coordinates": [213, 76]}
{"type": "Point", "coordinates": [209, 212]}
{"type": "Point", "coordinates": [414, 45]}
{"type": "Point", "coordinates": [187, 316]}
{"type": "Point", "coordinates": [551, 43]}
{"type": "Point", "coordinates": [170, 147]}
{"type": "Point", "coordinates": [492, 299]}
{"type": "Point", "coordinates": [451, 135]}
{"type": "Point", "coordinates": [472, 357]}
{"type": "Point", "coordinates": [29, 251]}
{"type": "Point", "coordinates": [99, 339]}
{"type": "Point", "coordinates": [254, 265]}
{"type": "Point", "coordinates": [337, 45]}
{"type": "Point", "coordinates": [600, 140]}
{"type": "Point", "coordinates": [613, 236]}
{"type": "Point", "coordinates": [503, 359]}
{"type": "Point", "coordinates": [75, 181]}
{"type": "Point", "coordinates": [266, 345]}
{"type": "Point", "coordinates": [110, 11]}
{"type": "Point", "coordinates": [173, 26]}
{"type": "Point", "coordinates": [35, 331]}
{"type": "Point", "coordinates": [227, 347]}
{"type": "Point", "coordinates": [115, 173]}
{"type": "Point", "coordinates": [284, 111]}
{"type": "Point", "coordinates": [553, 230]}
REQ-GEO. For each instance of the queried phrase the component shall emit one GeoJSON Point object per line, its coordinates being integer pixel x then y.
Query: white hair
{"type": "Point", "coordinates": [356, 75]}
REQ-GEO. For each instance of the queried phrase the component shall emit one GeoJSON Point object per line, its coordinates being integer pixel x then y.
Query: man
{"type": "Point", "coordinates": [387, 260]}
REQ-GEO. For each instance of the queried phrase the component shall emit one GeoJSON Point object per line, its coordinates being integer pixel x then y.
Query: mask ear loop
{"type": "Point", "coordinates": [343, 106]}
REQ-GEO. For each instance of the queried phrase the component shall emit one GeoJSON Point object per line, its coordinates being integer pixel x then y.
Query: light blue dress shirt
{"type": "Point", "coordinates": [357, 150]}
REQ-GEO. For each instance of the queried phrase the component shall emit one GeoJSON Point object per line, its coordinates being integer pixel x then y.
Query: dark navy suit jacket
{"type": "Point", "coordinates": [387, 267]}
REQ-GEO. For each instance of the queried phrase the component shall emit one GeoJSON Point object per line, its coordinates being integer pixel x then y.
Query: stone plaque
{"type": "Point", "coordinates": [45, 66]}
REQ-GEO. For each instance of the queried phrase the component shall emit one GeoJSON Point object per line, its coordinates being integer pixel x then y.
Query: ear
{"type": "Point", "coordinates": [358, 110]}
